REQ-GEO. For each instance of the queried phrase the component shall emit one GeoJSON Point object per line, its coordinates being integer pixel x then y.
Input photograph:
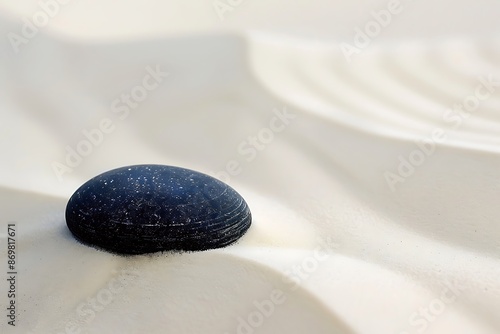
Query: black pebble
{"type": "Point", "coordinates": [149, 208]}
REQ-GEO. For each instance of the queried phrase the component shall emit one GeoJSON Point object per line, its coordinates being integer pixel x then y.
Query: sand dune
{"type": "Point", "coordinates": [334, 248]}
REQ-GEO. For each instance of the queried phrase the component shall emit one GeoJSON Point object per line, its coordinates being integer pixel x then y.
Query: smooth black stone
{"type": "Point", "coordinates": [149, 208]}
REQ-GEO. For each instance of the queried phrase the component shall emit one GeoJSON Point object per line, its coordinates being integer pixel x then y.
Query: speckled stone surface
{"type": "Point", "coordinates": [149, 208]}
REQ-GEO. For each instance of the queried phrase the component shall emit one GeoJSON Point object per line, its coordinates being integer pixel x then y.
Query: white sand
{"type": "Point", "coordinates": [422, 258]}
